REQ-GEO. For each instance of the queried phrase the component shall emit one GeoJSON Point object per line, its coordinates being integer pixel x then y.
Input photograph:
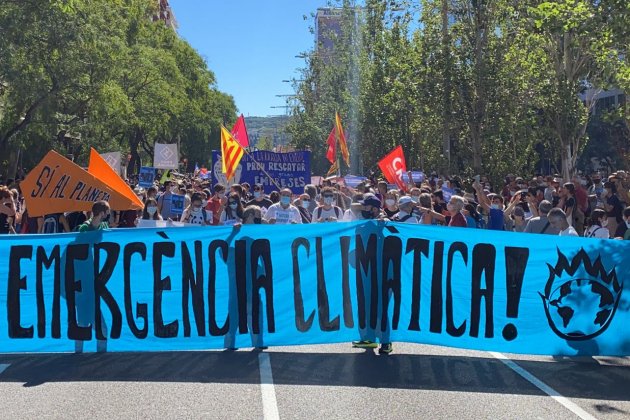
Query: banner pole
{"type": "Point", "coordinates": [263, 169]}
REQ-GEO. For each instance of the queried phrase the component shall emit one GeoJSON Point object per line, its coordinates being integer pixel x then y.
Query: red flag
{"type": "Point", "coordinates": [331, 154]}
{"type": "Point", "coordinates": [343, 145]}
{"type": "Point", "coordinates": [394, 167]}
{"type": "Point", "coordinates": [239, 132]}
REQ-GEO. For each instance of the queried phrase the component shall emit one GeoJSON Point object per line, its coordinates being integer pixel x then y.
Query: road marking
{"type": "Point", "coordinates": [568, 404]}
{"type": "Point", "coordinates": [3, 367]}
{"type": "Point", "coordinates": [270, 405]}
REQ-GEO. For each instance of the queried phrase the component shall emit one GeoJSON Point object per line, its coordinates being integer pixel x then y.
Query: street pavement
{"type": "Point", "coordinates": [313, 382]}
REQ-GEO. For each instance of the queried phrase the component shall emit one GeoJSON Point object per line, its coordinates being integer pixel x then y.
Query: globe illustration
{"type": "Point", "coordinates": [581, 309]}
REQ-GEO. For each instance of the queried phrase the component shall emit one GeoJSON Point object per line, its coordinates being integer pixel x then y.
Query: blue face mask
{"type": "Point", "coordinates": [284, 200]}
{"type": "Point", "coordinates": [257, 194]}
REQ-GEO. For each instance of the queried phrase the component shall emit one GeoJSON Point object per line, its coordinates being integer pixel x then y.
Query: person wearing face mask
{"type": "Point", "coordinates": [100, 217]}
{"type": "Point", "coordinates": [371, 207]}
{"type": "Point", "coordinates": [150, 211]}
{"type": "Point", "coordinates": [283, 212]}
{"type": "Point", "coordinates": [195, 214]}
{"type": "Point", "coordinates": [233, 212]}
{"type": "Point", "coordinates": [311, 190]}
{"type": "Point", "coordinates": [391, 204]}
{"type": "Point", "coordinates": [492, 204]}
{"type": "Point", "coordinates": [623, 230]}
{"type": "Point", "coordinates": [328, 211]}
{"type": "Point", "coordinates": [165, 201]}
{"type": "Point", "coordinates": [303, 203]}
{"type": "Point", "coordinates": [599, 225]}
{"type": "Point", "coordinates": [260, 199]}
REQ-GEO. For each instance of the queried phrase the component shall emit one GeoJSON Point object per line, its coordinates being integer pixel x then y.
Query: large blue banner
{"type": "Point", "coordinates": [289, 170]}
{"type": "Point", "coordinates": [224, 287]}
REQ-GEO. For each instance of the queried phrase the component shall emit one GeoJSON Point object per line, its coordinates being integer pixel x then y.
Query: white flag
{"type": "Point", "coordinates": [113, 160]}
{"type": "Point", "coordinates": [166, 156]}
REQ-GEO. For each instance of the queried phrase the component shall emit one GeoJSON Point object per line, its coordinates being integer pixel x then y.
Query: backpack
{"type": "Point", "coordinates": [319, 214]}
{"type": "Point", "coordinates": [403, 219]}
{"type": "Point", "coordinates": [51, 223]}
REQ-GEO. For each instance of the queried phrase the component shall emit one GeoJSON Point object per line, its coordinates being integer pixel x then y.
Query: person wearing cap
{"type": "Point", "coordinates": [405, 211]}
{"type": "Point", "coordinates": [540, 224]}
{"type": "Point", "coordinates": [371, 207]}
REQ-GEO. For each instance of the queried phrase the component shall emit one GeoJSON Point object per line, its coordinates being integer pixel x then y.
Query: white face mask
{"type": "Point", "coordinates": [306, 203]}
{"type": "Point", "coordinates": [495, 206]}
{"type": "Point", "coordinates": [390, 202]}
{"type": "Point", "coordinates": [415, 198]}
{"type": "Point", "coordinates": [151, 210]}
{"type": "Point", "coordinates": [328, 200]}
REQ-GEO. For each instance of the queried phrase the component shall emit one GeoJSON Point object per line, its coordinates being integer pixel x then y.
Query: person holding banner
{"type": "Point", "coordinates": [284, 212]}
{"type": "Point", "coordinates": [233, 213]}
{"type": "Point", "coordinates": [195, 214]}
{"type": "Point", "coordinates": [303, 203]}
{"type": "Point", "coordinates": [100, 217]}
{"type": "Point", "coordinates": [151, 211]}
{"type": "Point", "coordinates": [216, 203]}
{"type": "Point", "coordinates": [165, 201]}
{"type": "Point", "coordinates": [327, 212]}
{"type": "Point", "coordinates": [405, 211]}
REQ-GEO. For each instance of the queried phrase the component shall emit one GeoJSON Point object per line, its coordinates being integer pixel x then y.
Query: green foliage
{"type": "Point", "coordinates": [465, 86]}
{"type": "Point", "coordinates": [102, 73]}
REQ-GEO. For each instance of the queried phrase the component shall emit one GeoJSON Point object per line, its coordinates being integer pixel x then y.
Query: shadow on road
{"type": "Point", "coordinates": [403, 371]}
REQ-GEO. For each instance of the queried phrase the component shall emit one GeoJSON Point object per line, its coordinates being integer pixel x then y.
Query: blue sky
{"type": "Point", "coordinates": [250, 45]}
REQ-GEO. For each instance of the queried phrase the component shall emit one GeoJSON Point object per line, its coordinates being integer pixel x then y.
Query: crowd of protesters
{"type": "Point", "coordinates": [590, 206]}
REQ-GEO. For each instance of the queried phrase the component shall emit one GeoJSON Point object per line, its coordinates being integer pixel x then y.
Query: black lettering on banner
{"type": "Point", "coordinates": [45, 261]}
{"type": "Point", "coordinates": [75, 252]}
{"type": "Point", "coordinates": [39, 182]}
{"type": "Point", "coordinates": [366, 261]}
{"type": "Point", "coordinates": [101, 277]}
{"type": "Point", "coordinates": [436, 288]}
{"type": "Point", "coordinates": [484, 257]}
{"type": "Point", "coordinates": [142, 309]}
{"type": "Point", "coordinates": [392, 254]}
{"type": "Point", "coordinates": [418, 246]}
{"type": "Point", "coordinates": [160, 250]}
{"type": "Point", "coordinates": [348, 320]}
{"type": "Point", "coordinates": [193, 281]}
{"type": "Point", "coordinates": [241, 285]}
{"type": "Point", "coordinates": [17, 283]}
{"type": "Point", "coordinates": [451, 329]}
{"type": "Point", "coordinates": [301, 324]}
{"type": "Point", "coordinates": [323, 305]}
{"type": "Point", "coordinates": [261, 249]}
{"type": "Point", "coordinates": [515, 264]}
{"type": "Point", "coordinates": [214, 328]}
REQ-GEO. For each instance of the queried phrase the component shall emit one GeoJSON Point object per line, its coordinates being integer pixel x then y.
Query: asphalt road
{"type": "Point", "coordinates": [313, 382]}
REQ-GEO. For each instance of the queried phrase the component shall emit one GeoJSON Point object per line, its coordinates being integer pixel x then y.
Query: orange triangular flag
{"type": "Point", "coordinates": [58, 185]}
{"type": "Point", "coordinates": [105, 173]}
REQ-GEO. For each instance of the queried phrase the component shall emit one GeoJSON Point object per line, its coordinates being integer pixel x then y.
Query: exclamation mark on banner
{"type": "Point", "coordinates": [515, 264]}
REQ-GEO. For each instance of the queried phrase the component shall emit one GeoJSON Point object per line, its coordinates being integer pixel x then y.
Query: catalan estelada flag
{"type": "Point", "coordinates": [231, 153]}
{"type": "Point", "coordinates": [343, 145]}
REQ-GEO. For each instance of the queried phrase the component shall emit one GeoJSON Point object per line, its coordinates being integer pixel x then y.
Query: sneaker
{"type": "Point", "coordinates": [386, 348]}
{"type": "Point", "coordinates": [364, 344]}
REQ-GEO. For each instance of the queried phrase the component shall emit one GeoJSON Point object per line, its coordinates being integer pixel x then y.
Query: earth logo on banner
{"type": "Point", "coordinates": [581, 297]}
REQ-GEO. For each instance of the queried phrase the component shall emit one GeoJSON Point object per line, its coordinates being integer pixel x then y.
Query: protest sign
{"type": "Point", "coordinates": [191, 288]}
{"type": "Point", "coordinates": [166, 156]}
{"type": "Point", "coordinates": [353, 181]}
{"type": "Point", "coordinates": [58, 185]}
{"type": "Point", "coordinates": [177, 204]}
{"type": "Point", "coordinates": [146, 177]}
{"type": "Point", "coordinates": [290, 170]}
{"type": "Point", "coordinates": [113, 159]}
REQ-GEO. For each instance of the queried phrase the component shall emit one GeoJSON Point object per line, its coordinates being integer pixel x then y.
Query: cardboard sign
{"type": "Point", "coordinates": [58, 185]}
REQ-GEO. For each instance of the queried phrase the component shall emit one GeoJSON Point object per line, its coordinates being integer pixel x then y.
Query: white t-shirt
{"type": "Point", "coordinates": [321, 213]}
{"type": "Point", "coordinates": [283, 216]}
{"type": "Point", "coordinates": [570, 231]}
{"type": "Point", "coordinates": [195, 217]}
{"type": "Point", "coordinates": [229, 221]}
{"type": "Point", "coordinates": [597, 232]}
